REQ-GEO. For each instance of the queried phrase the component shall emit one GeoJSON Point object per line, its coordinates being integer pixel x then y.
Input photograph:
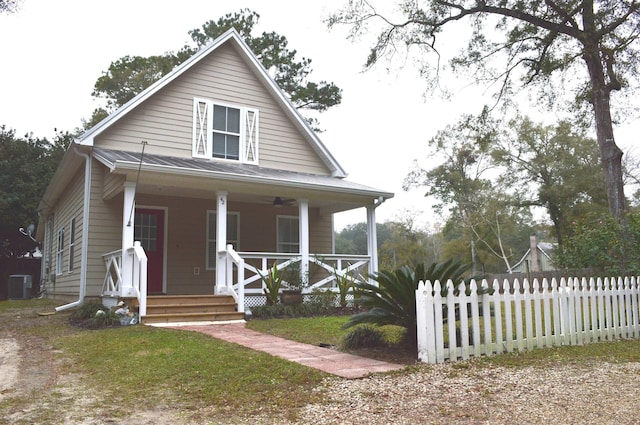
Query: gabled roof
{"type": "Point", "coordinates": [231, 36]}
{"type": "Point", "coordinates": [544, 248]}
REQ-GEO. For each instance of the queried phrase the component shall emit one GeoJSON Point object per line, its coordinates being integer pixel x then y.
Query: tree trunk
{"type": "Point", "coordinates": [610, 153]}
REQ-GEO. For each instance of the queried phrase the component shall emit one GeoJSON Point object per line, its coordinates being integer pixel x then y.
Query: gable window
{"type": "Point", "coordinates": [288, 231]}
{"type": "Point", "coordinates": [72, 242]}
{"type": "Point", "coordinates": [233, 235]}
{"type": "Point", "coordinates": [60, 251]}
{"type": "Point", "coordinates": [226, 132]}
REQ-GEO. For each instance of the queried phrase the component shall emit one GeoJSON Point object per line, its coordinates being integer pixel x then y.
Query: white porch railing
{"type": "Point", "coordinates": [120, 282]}
{"type": "Point", "coordinates": [238, 292]}
{"type": "Point", "coordinates": [113, 277]}
{"type": "Point", "coordinates": [247, 274]}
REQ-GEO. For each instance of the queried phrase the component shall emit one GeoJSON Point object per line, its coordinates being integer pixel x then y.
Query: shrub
{"type": "Point", "coordinates": [603, 245]}
{"type": "Point", "coordinates": [363, 337]}
{"type": "Point", "coordinates": [393, 300]}
{"type": "Point", "coordinates": [88, 316]}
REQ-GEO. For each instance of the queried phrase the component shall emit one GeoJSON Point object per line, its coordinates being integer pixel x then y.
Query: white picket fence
{"type": "Point", "coordinates": [549, 313]}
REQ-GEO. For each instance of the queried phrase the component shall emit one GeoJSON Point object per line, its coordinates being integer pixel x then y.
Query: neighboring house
{"type": "Point", "coordinates": [536, 259]}
{"type": "Point", "coordinates": [215, 174]}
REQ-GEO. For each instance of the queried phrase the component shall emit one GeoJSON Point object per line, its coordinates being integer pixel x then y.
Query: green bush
{"type": "Point", "coordinates": [318, 303]}
{"type": "Point", "coordinates": [363, 337]}
{"type": "Point", "coordinates": [393, 300]}
{"type": "Point", "coordinates": [603, 245]}
{"type": "Point", "coordinates": [87, 311]}
{"type": "Point", "coordinates": [88, 316]}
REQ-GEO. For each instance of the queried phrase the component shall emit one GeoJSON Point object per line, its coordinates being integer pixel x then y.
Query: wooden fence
{"type": "Point", "coordinates": [545, 313]}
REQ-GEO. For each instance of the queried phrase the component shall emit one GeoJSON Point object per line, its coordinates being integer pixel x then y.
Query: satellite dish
{"type": "Point", "coordinates": [29, 232]}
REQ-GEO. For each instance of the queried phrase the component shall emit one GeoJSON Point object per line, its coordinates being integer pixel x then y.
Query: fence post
{"type": "Point", "coordinates": [537, 312]}
{"type": "Point", "coordinates": [634, 306]}
{"type": "Point", "coordinates": [464, 324]}
{"type": "Point", "coordinates": [608, 322]}
{"type": "Point", "coordinates": [486, 316]}
{"type": "Point", "coordinates": [451, 322]}
{"type": "Point", "coordinates": [475, 319]}
{"type": "Point", "coordinates": [421, 322]}
{"type": "Point", "coordinates": [528, 316]}
{"type": "Point", "coordinates": [508, 317]}
{"type": "Point", "coordinates": [497, 297]}
{"type": "Point", "coordinates": [438, 327]}
{"type": "Point", "coordinates": [547, 294]}
{"type": "Point", "coordinates": [517, 301]}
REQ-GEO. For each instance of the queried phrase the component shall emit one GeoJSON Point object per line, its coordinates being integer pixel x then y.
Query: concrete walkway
{"type": "Point", "coordinates": [325, 359]}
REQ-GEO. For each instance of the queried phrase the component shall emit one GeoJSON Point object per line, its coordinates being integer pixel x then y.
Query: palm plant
{"type": "Point", "coordinates": [272, 283]}
{"type": "Point", "coordinates": [393, 300]}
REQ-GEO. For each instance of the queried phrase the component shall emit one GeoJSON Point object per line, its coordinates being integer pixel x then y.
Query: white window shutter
{"type": "Point", "coordinates": [250, 142]}
{"type": "Point", "coordinates": [201, 126]}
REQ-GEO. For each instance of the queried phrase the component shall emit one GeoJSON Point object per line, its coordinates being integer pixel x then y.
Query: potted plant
{"type": "Point", "coordinates": [294, 283]}
{"type": "Point", "coordinates": [272, 282]}
{"type": "Point", "coordinates": [344, 282]}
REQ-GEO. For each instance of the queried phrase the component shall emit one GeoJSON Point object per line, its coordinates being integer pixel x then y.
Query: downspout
{"type": "Point", "coordinates": [85, 233]}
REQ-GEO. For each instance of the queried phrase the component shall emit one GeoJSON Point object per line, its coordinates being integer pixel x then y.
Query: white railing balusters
{"type": "Point", "coordinates": [114, 284]}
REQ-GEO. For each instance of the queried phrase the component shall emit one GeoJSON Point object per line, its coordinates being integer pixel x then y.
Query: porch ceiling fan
{"type": "Point", "coordinates": [279, 202]}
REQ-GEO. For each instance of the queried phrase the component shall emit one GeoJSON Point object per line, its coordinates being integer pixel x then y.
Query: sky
{"type": "Point", "coordinates": [52, 52]}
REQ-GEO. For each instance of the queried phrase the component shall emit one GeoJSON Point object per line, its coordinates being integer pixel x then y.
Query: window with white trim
{"type": "Point", "coordinates": [288, 232]}
{"type": "Point", "coordinates": [233, 235]}
{"type": "Point", "coordinates": [60, 251]}
{"type": "Point", "coordinates": [72, 242]}
{"type": "Point", "coordinates": [225, 132]}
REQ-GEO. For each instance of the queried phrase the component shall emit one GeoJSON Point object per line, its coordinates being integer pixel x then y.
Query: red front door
{"type": "Point", "coordinates": [149, 230]}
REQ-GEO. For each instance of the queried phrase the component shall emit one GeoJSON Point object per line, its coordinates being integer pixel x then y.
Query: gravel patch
{"type": "Point", "coordinates": [466, 393]}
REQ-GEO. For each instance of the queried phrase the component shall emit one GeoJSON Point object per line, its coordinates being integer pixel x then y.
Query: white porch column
{"type": "Point", "coordinates": [221, 242]}
{"type": "Point", "coordinates": [128, 215]}
{"type": "Point", "coordinates": [303, 210]}
{"type": "Point", "coordinates": [372, 238]}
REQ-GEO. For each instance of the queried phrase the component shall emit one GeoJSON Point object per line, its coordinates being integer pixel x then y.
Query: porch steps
{"type": "Point", "coordinates": [190, 308]}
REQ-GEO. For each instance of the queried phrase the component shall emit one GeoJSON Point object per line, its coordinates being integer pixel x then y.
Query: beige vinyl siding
{"type": "Point", "coordinates": [69, 205]}
{"type": "Point", "coordinates": [105, 229]}
{"type": "Point", "coordinates": [113, 184]}
{"type": "Point", "coordinates": [165, 120]}
{"type": "Point", "coordinates": [320, 232]}
{"type": "Point", "coordinates": [186, 238]}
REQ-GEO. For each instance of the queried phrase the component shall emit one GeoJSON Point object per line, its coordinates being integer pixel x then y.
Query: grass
{"type": "Point", "coordinates": [328, 330]}
{"type": "Point", "coordinates": [137, 365]}
{"type": "Point", "coordinates": [316, 330]}
{"type": "Point", "coordinates": [189, 368]}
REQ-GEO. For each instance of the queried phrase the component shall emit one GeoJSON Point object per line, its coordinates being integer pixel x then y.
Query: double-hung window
{"type": "Point", "coordinates": [226, 132]}
{"type": "Point", "coordinates": [233, 235]}
{"type": "Point", "coordinates": [72, 242]}
{"type": "Point", "coordinates": [60, 251]}
{"type": "Point", "coordinates": [288, 231]}
{"type": "Point", "coordinates": [223, 131]}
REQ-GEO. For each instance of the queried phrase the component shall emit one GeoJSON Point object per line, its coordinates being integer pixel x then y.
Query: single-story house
{"type": "Point", "coordinates": [537, 258]}
{"type": "Point", "coordinates": [187, 192]}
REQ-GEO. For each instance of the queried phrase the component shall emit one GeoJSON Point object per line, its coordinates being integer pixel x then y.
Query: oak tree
{"type": "Point", "coordinates": [593, 43]}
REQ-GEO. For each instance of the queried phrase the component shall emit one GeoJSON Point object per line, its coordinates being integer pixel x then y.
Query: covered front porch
{"type": "Point", "coordinates": [202, 234]}
{"type": "Point", "coordinates": [243, 282]}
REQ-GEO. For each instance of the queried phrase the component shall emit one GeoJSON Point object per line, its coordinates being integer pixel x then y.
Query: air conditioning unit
{"type": "Point", "coordinates": [19, 286]}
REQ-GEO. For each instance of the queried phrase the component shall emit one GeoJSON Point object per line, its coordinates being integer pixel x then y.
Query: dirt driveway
{"type": "Point", "coordinates": [38, 386]}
